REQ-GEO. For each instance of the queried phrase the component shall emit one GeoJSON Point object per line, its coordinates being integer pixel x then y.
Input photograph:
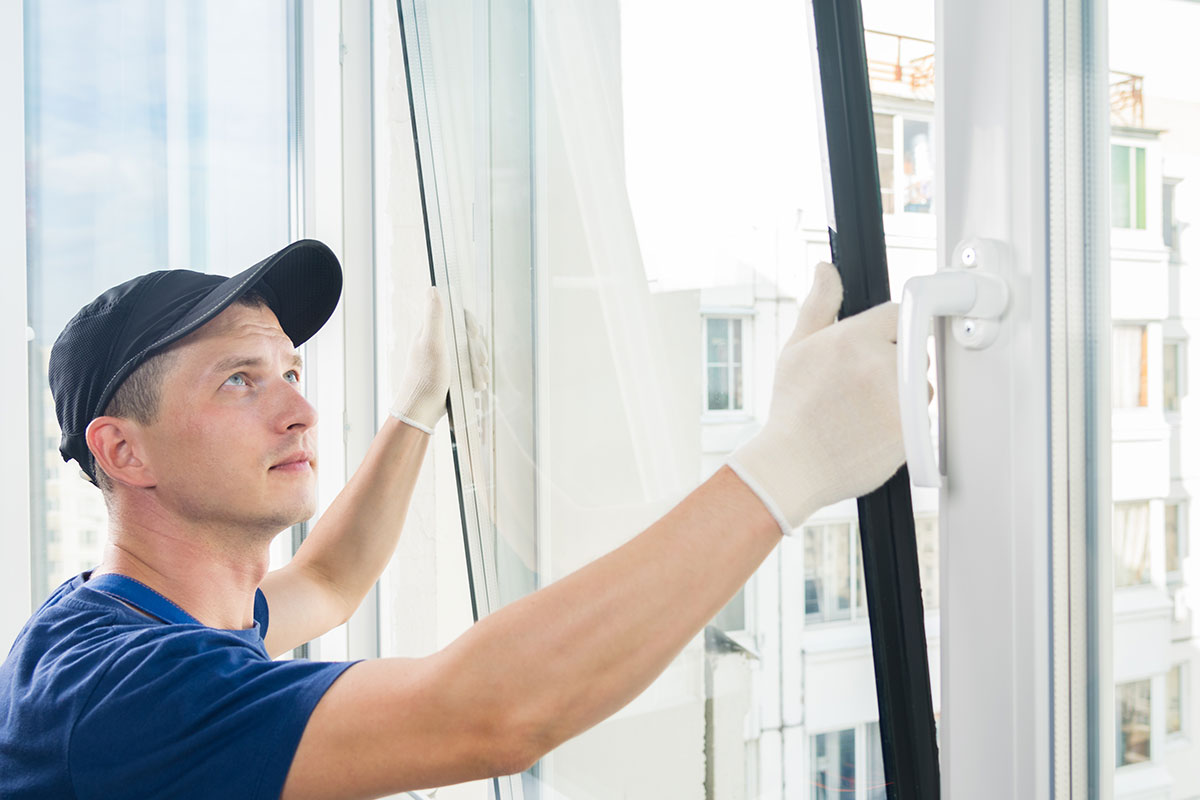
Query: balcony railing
{"type": "Point", "coordinates": [1125, 99]}
{"type": "Point", "coordinates": [904, 66]}
{"type": "Point", "coordinates": [896, 62]}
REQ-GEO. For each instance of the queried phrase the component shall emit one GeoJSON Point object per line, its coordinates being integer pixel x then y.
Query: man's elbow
{"type": "Point", "coordinates": [519, 740]}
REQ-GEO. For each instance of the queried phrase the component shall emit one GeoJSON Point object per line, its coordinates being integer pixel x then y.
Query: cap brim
{"type": "Point", "coordinates": [302, 283]}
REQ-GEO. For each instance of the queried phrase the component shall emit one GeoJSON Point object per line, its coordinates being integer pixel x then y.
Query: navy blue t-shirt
{"type": "Point", "coordinates": [100, 701]}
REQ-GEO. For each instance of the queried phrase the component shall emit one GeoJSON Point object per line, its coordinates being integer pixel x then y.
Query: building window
{"type": "Point", "coordinates": [833, 585]}
{"type": "Point", "coordinates": [1172, 375]}
{"type": "Point", "coordinates": [1128, 187]}
{"type": "Point", "coordinates": [1131, 543]}
{"type": "Point", "coordinates": [1176, 691]}
{"type": "Point", "coordinates": [725, 376]}
{"type": "Point", "coordinates": [1170, 223]}
{"type": "Point", "coordinates": [1129, 385]}
{"type": "Point", "coordinates": [875, 781]}
{"type": "Point", "coordinates": [1133, 722]}
{"type": "Point", "coordinates": [833, 765]}
{"type": "Point", "coordinates": [1174, 541]}
{"type": "Point", "coordinates": [905, 183]}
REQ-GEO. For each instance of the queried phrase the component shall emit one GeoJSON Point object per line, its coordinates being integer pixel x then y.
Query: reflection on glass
{"type": "Point", "coordinates": [1155, 158]}
{"type": "Point", "coordinates": [641, 254]}
{"type": "Point", "coordinates": [157, 136]}
{"type": "Point", "coordinates": [1133, 722]}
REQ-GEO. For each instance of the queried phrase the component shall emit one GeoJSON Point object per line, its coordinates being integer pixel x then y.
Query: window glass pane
{"type": "Point", "coordinates": [814, 578]}
{"type": "Point", "coordinates": [157, 136]}
{"type": "Point", "coordinates": [885, 147]}
{"type": "Point", "coordinates": [1175, 699]}
{"type": "Point", "coordinates": [876, 780]}
{"type": "Point", "coordinates": [1133, 722]}
{"type": "Point", "coordinates": [838, 569]}
{"type": "Point", "coordinates": [1131, 543]}
{"type": "Point", "coordinates": [1171, 353]}
{"type": "Point", "coordinates": [718, 388]}
{"type": "Point", "coordinates": [718, 340]}
{"type": "Point", "coordinates": [1129, 388]}
{"type": "Point", "coordinates": [1121, 187]}
{"type": "Point", "coordinates": [860, 585]}
{"type": "Point", "coordinates": [927, 556]}
{"type": "Point", "coordinates": [644, 214]}
{"type": "Point", "coordinates": [1140, 187]}
{"type": "Point", "coordinates": [833, 765]}
{"type": "Point", "coordinates": [1171, 541]}
{"type": "Point", "coordinates": [1152, 458]}
{"type": "Point", "coordinates": [887, 182]}
{"type": "Point", "coordinates": [918, 166]}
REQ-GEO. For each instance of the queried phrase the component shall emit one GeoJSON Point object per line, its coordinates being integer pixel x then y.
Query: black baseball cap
{"type": "Point", "coordinates": [120, 329]}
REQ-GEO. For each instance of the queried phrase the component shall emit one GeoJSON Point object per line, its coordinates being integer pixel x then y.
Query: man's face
{"type": "Point", "coordinates": [234, 443]}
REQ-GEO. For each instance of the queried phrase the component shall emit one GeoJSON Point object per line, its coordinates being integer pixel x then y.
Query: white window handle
{"type": "Point", "coordinates": [979, 299]}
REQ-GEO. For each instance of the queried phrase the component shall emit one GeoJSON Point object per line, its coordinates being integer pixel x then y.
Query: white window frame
{"type": "Point", "coordinates": [15, 578]}
{"type": "Point", "coordinates": [746, 315]}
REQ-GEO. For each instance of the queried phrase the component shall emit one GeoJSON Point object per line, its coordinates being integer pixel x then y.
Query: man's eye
{"type": "Point", "coordinates": [292, 376]}
{"type": "Point", "coordinates": [237, 379]}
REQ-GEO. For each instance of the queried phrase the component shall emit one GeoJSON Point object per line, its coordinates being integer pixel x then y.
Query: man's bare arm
{"type": "Point", "coordinates": [542, 669]}
{"type": "Point", "coordinates": [350, 545]}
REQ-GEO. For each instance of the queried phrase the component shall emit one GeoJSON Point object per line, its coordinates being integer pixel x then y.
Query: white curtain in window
{"type": "Point", "coordinates": [1127, 367]}
{"type": "Point", "coordinates": [1131, 543]}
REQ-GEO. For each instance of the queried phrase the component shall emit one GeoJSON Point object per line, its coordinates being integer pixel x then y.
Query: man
{"type": "Point", "coordinates": [150, 675]}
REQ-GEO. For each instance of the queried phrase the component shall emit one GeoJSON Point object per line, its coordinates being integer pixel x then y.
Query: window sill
{"type": "Point", "coordinates": [726, 418]}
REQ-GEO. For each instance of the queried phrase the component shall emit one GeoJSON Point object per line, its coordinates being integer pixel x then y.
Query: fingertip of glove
{"type": "Point", "coordinates": [827, 282]}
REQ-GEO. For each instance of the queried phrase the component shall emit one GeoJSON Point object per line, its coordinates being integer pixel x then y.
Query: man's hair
{"type": "Point", "coordinates": [138, 396]}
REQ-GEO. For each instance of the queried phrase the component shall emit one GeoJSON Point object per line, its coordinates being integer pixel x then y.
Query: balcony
{"type": "Point", "coordinates": [903, 66]}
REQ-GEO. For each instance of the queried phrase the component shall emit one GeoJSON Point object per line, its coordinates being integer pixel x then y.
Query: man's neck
{"type": "Point", "coordinates": [214, 586]}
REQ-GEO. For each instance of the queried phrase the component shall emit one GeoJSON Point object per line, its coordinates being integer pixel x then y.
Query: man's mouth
{"type": "Point", "coordinates": [294, 462]}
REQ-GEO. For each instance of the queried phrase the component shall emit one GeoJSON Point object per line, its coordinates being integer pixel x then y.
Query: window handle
{"type": "Point", "coordinates": [975, 299]}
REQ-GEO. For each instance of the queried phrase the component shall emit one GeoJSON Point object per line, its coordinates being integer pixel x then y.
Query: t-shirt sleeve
{"type": "Point", "coordinates": [194, 715]}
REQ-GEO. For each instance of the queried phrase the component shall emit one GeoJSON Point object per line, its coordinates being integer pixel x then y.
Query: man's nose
{"type": "Point", "coordinates": [295, 413]}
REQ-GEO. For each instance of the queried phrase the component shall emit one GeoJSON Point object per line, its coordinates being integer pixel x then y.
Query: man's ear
{"type": "Point", "coordinates": [116, 445]}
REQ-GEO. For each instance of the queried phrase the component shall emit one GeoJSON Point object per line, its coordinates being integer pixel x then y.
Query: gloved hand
{"type": "Point", "coordinates": [833, 431]}
{"type": "Point", "coordinates": [421, 401]}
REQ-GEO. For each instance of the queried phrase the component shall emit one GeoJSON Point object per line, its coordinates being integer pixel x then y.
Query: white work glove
{"type": "Point", "coordinates": [421, 401]}
{"type": "Point", "coordinates": [834, 428]}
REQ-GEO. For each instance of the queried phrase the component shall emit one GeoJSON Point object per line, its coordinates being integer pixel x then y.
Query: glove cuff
{"type": "Point", "coordinates": [411, 421]}
{"type": "Point", "coordinates": [750, 481]}
{"type": "Point", "coordinates": [421, 403]}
